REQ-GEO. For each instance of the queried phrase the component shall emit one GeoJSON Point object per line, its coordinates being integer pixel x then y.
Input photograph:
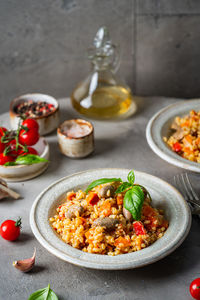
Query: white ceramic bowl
{"type": "Point", "coordinates": [159, 127]}
{"type": "Point", "coordinates": [25, 172]}
{"type": "Point", "coordinates": [164, 196]}
{"type": "Point", "coordinates": [47, 123]}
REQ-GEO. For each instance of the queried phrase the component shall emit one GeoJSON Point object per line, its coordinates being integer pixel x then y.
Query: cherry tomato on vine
{"type": "Point", "coordinates": [195, 288]}
{"type": "Point", "coordinates": [2, 131]}
{"type": "Point", "coordinates": [30, 151]}
{"type": "Point", "coordinates": [10, 230]}
{"type": "Point", "coordinates": [28, 138]}
{"type": "Point", "coordinates": [5, 158]}
{"type": "Point", "coordinates": [13, 151]}
{"type": "Point", "coordinates": [2, 147]}
{"type": "Point", "coordinates": [31, 124]}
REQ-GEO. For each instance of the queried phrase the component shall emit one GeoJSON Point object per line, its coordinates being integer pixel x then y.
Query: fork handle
{"type": "Point", "coordinates": [195, 208]}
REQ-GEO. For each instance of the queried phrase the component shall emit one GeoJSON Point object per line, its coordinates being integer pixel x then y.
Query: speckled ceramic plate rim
{"type": "Point", "coordinates": [169, 242]}
{"type": "Point", "coordinates": [155, 138]}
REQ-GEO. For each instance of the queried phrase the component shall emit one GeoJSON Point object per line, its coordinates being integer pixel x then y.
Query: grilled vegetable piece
{"type": "Point", "coordinates": [108, 223]}
{"type": "Point", "coordinates": [107, 191]}
{"type": "Point", "coordinates": [71, 213]}
{"type": "Point", "coordinates": [127, 214]}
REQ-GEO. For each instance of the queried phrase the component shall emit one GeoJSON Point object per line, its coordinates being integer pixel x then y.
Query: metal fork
{"type": "Point", "coordinates": [185, 187]}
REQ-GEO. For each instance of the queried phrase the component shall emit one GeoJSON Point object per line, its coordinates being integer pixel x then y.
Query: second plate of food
{"type": "Point", "coordinates": [92, 229]}
{"type": "Point", "coordinates": [173, 134]}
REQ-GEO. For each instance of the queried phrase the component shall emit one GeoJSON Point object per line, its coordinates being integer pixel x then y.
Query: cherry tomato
{"type": "Point", "coordinates": [2, 131]}
{"type": "Point", "coordinates": [13, 151]}
{"type": "Point", "coordinates": [31, 124]}
{"type": "Point", "coordinates": [10, 230]}
{"type": "Point", "coordinates": [28, 138]}
{"type": "Point", "coordinates": [5, 158]}
{"type": "Point", "coordinates": [195, 289]}
{"type": "Point", "coordinates": [2, 147]}
{"type": "Point", "coordinates": [30, 151]}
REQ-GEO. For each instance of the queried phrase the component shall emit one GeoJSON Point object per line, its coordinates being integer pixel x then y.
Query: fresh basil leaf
{"type": "Point", "coordinates": [101, 181]}
{"type": "Point", "coordinates": [145, 190]}
{"type": "Point", "coordinates": [124, 186]}
{"type": "Point", "coordinates": [43, 294]}
{"type": "Point", "coordinates": [133, 201]}
{"type": "Point", "coordinates": [29, 159]}
{"type": "Point", "coordinates": [131, 177]}
{"type": "Point", "coordinates": [10, 163]}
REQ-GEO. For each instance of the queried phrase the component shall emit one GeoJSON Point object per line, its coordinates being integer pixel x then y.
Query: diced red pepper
{"type": "Point", "coordinates": [177, 147]}
{"type": "Point", "coordinates": [139, 228]}
{"type": "Point", "coordinates": [92, 199]}
{"type": "Point", "coordinates": [71, 196]}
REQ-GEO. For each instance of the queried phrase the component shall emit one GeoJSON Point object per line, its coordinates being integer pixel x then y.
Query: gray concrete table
{"type": "Point", "coordinates": [117, 144]}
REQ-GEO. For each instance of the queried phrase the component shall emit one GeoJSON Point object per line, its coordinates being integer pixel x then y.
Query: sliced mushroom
{"type": "Point", "coordinates": [71, 213]}
{"type": "Point", "coordinates": [107, 191]}
{"type": "Point", "coordinates": [108, 223]}
{"type": "Point", "coordinates": [127, 214]}
{"type": "Point", "coordinates": [179, 133]}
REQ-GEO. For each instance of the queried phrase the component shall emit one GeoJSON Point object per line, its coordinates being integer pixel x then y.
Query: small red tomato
{"type": "Point", "coordinates": [10, 230]}
{"type": "Point", "coordinates": [28, 138]}
{"type": "Point", "coordinates": [31, 124]}
{"type": "Point", "coordinates": [2, 131]}
{"type": "Point", "coordinates": [13, 151]}
{"type": "Point", "coordinates": [2, 147]}
{"type": "Point", "coordinates": [5, 158]}
{"type": "Point", "coordinates": [195, 289]}
{"type": "Point", "coordinates": [177, 147]}
{"type": "Point", "coordinates": [30, 151]}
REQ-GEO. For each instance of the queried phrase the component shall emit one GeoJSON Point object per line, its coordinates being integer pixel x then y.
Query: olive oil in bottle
{"type": "Point", "coordinates": [102, 95]}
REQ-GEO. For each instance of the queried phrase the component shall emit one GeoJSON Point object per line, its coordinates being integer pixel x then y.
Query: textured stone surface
{"type": "Point", "coordinates": [43, 45]}
{"type": "Point", "coordinates": [124, 145]}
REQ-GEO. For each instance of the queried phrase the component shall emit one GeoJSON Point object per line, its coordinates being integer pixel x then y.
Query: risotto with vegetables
{"type": "Point", "coordinates": [185, 141]}
{"type": "Point", "coordinates": [111, 217]}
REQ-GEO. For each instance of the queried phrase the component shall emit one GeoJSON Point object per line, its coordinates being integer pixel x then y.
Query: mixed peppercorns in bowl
{"type": "Point", "coordinates": [41, 107]}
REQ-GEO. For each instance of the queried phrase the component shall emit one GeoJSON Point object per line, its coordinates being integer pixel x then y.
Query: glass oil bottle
{"type": "Point", "coordinates": [102, 95]}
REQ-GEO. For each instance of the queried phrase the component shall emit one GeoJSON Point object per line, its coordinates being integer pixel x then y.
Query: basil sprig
{"type": "Point", "coordinates": [101, 181]}
{"type": "Point", "coordinates": [134, 196]}
{"type": "Point", "coordinates": [28, 159]}
{"type": "Point", "coordinates": [43, 294]}
{"type": "Point", "coordinates": [133, 201]}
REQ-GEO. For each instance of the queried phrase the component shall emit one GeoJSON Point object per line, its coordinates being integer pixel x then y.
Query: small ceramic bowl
{"type": "Point", "coordinates": [25, 172]}
{"type": "Point", "coordinates": [47, 123]}
{"type": "Point", "coordinates": [76, 138]}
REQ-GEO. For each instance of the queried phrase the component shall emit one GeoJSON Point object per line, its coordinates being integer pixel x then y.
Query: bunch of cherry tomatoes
{"type": "Point", "coordinates": [16, 143]}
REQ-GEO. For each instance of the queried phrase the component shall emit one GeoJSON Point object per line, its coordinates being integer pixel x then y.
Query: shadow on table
{"type": "Point", "coordinates": [103, 146]}
{"type": "Point", "coordinates": [55, 157]}
{"type": "Point", "coordinates": [24, 237]}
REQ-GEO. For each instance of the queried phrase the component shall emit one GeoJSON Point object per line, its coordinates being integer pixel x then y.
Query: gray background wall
{"type": "Point", "coordinates": [43, 45]}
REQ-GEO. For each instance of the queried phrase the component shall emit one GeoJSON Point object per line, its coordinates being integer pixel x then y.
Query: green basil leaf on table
{"type": "Point", "coordinates": [133, 201]}
{"type": "Point", "coordinates": [101, 181]}
{"type": "Point", "coordinates": [131, 177]}
{"type": "Point", "coordinates": [43, 294]}
{"type": "Point", "coordinates": [123, 187]}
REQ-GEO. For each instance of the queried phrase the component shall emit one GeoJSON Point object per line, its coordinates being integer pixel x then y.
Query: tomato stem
{"type": "Point", "coordinates": [18, 223]}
